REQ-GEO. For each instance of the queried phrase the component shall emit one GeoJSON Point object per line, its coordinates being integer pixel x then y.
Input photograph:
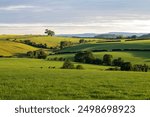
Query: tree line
{"type": "Point", "coordinates": [39, 54]}
{"type": "Point", "coordinates": [29, 42]}
{"type": "Point", "coordinates": [89, 58]}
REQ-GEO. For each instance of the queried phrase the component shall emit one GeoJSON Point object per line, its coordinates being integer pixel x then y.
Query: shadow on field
{"type": "Point", "coordinates": [141, 54]}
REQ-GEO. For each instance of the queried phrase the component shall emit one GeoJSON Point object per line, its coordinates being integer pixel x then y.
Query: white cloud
{"type": "Point", "coordinates": [80, 27]}
{"type": "Point", "coordinates": [16, 7]}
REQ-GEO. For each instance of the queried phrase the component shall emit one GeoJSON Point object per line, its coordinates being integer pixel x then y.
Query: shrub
{"type": "Point", "coordinates": [64, 44]}
{"type": "Point", "coordinates": [118, 62]}
{"type": "Point", "coordinates": [97, 61]}
{"type": "Point", "coordinates": [79, 67]}
{"type": "Point", "coordinates": [82, 41]}
{"type": "Point", "coordinates": [143, 68]}
{"type": "Point", "coordinates": [40, 54]}
{"type": "Point", "coordinates": [107, 59]}
{"type": "Point", "coordinates": [126, 66]}
{"type": "Point", "coordinates": [61, 59]}
{"type": "Point", "coordinates": [68, 65]}
{"type": "Point", "coordinates": [55, 59]}
{"type": "Point", "coordinates": [84, 57]}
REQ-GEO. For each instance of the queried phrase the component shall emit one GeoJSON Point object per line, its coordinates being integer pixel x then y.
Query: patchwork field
{"type": "Point", "coordinates": [109, 46]}
{"type": "Point", "coordinates": [132, 56]}
{"type": "Point", "coordinates": [25, 79]}
{"type": "Point", "coordinates": [52, 41]}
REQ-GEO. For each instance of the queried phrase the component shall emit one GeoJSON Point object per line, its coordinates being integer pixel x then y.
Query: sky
{"type": "Point", "coordinates": [74, 16]}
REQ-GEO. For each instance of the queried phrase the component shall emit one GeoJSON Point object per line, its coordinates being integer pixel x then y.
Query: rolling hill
{"type": "Point", "coordinates": [8, 48]}
{"type": "Point", "coordinates": [140, 44]}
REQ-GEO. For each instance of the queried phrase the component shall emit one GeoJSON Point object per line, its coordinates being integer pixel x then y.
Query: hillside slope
{"type": "Point", "coordinates": [8, 48]}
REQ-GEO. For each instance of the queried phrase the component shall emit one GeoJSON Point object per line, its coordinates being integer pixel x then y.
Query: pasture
{"type": "Point", "coordinates": [140, 44]}
{"type": "Point", "coordinates": [52, 41]}
{"type": "Point", "coordinates": [136, 57]}
{"type": "Point", "coordinates": [35, 79]}
{"type": "Point", "coordinates": [25, 79]}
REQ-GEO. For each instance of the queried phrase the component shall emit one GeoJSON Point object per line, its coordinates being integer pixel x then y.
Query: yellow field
{"type": "Point", "coordinates": [8, 48]}
{"type": "Point", "coordinates": [52, 41]}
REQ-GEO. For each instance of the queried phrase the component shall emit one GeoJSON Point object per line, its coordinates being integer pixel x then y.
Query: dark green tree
{"type": "Point", "coordinates": [118, 62]}
{"type": "Point", "coordinates": [40, 54]}
{"type": "Point", "coordinates": [107, 59]}
{"type": "Point", "coordinates": [49, 32]}
{"type": "Point", "coordinates": [64, 44]}
{"type": "Point", "coordinates": [84, 57]}
{"type": "Point", "coordinates": [68, 65]}
{"type": "Point", "coordinates": [97, 61]}
{"type": "Point", "coordinates": [82, 41]}
{"type": "Point", "coordinates": [126, 66]}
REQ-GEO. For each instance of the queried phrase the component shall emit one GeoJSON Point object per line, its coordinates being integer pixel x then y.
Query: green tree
{"type": "Point", "coordinates": [126, 66]}
{"type": "Point", "coordinates": [64, 44]}
{"type": "Point", "coordinates": [49, 32]}
{"type": "Point", "coordinates": [40, 54]}
{"type": "Point", "coordinates": [84, 57]}
{"type": "Point", "coordinates": [118, 62]}
{"type": "Point", "coordinates": [82, 41]}
{"type": "Point", "coordinates": [68, 65]}
{"type": "Point", "coordinates": [107, 59]}
{"type": "Point", "coordinates": [97, 61]}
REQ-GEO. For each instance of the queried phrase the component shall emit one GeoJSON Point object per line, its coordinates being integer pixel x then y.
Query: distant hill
{"type": "Point", "coordinates": [145, 36]}
{"type": "Point", "coordinates": [110, 36]}
{"type": "Point", "coordinates": [113, 35]}
{"type": "Point", "coordinates": [126, 34]}
{"type": "Point", "coordinates": [104, 35]}
{"type": "Point", "coordinates": [79, 35]}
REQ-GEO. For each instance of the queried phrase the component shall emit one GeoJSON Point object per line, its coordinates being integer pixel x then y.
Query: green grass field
{"type": "Point", "coordinates": [132, 56]}
{"type": "Point", "coordinates": [25, 79]}
{"type": "Point", "coordinates": [143, 44]}
{"type": "Point", "coordinates": [52, 41]}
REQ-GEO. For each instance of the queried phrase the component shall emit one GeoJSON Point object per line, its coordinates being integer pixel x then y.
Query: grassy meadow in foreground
{"type": "Point", "coordinates": [25, 79]}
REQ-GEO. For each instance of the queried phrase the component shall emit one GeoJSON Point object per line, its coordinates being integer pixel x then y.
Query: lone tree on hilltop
{"type": "Point", "coordinates": [49, 32]}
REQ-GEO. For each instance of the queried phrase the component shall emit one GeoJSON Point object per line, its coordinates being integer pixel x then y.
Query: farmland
{"type": "Point", "coordinates": [30, 78]}
{"type": "Point", "coordinates": [8, 48]}
{"type": "Point", "coordinates": [135, 57]}
{"type": "Point", "coordinates": [109, 46]}
{"type": "Point", "coordinates": [24, 79]}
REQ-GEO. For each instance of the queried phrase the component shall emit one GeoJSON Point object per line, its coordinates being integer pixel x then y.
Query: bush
{"type": "Point", "coordinates": [29, 42]}
{"type": "Point", "coordinates": [114, 69]}
{"type": "Point", "coordinates": [79, 67]}
{"type": "Point", "coordinates": [64, 44]}
{"type": "Point", "coordinates": [82, 41]}
{"type": "Point", "coordinates": [107, 59]}
{"type": "Point", "coordinates": [68, 65]}
{"type": "Point", "coordinates": [143, 68]}
{"type": "Point", "coordinates": [84, 57]}
{"type": "Point", "coordinates": [118, 62]}
{"type": "Point", "coordinates": [97, 61]}
{"type": "Point", "coordinates": [126, 66]}
{"type": "Point", "coordinates": [40, 54]}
